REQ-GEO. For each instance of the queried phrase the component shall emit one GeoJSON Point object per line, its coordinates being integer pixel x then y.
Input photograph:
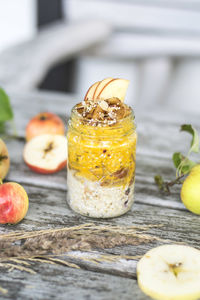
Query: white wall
{"type": "Point", "coordinates": [17, 21]}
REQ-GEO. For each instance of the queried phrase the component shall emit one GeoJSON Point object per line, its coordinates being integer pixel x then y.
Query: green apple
{"type": "Point", "coordinates": [190, 192]}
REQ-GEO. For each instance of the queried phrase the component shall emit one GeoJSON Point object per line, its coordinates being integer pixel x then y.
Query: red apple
{"type": "Point", "coordinates": [46, 153]}
{"type": "Point", "coordinates": [42, 123]}
{"type": "Point", "coordinates": [13, 203]}
{"type": "Point", "coordinates": [4, 160]}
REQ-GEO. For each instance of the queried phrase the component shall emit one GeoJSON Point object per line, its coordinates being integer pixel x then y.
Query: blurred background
{"type": "Point", "coordinates": [66, 45]}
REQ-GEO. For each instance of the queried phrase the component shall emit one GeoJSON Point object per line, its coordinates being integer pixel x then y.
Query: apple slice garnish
{"type": "Point", "coordinates": [90, 92]}
{"type": "Point", "coordinates": [115, 88]}
{"type": "Point", "coordinates": [102, 84]}
{"type": "Point", "coordinates": [46, 153]}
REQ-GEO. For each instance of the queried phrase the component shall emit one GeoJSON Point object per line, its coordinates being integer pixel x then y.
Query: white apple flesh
{"type": "Point", "coordinates": [170, 272]}
{"type": "Point", "coordinates": [102, 84]}
{"type": "Point", "coordinates": [114, 88]}
{"type": "Point", "coordinates": [90, 92]}
{"type": "Point", "coordinates": [46, 153]}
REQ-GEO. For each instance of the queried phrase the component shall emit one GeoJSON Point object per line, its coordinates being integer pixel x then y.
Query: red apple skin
{"type": "Point", "coordinates": [43, 123]}
{"type": "Point", "coordinates": [4, 160]}
{"type": "Point", "coordinates": [13, 203]}
{"type": "Point", "coordinates": [44, 171]}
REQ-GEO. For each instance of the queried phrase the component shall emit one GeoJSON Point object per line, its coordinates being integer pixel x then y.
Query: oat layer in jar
{"type": "Point", "coordinates": [101, 158]}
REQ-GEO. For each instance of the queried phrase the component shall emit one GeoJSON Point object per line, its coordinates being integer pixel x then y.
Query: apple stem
{"type": "Point", "coordinates": [164, 186]}
{"type": "Point", "coordinates": [43, 118]}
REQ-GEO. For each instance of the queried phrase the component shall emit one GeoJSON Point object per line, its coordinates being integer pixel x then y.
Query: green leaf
{"type": "Point", "coordinates": [187, 167]}
{"type": "Point", "coordinates": [177, 159]}
{"type": "Point", "coordinates": [195, 137]}
{"type": "Point", "coordinates": [182, 163]}
{"type": "Point", "coordinates": [159, 181]}
{"type": "Point", "coordinates": [6, 112]}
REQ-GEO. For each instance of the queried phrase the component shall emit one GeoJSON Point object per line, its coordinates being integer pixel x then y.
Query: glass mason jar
{"type": "Point", "coordinates": [101, 166]}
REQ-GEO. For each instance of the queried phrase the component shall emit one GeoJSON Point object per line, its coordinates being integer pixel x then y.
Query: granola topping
{"type": "Point", "coordinates": [102, 112]}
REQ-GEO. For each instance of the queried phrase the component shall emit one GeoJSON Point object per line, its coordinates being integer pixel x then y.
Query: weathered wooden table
{"type": "Point", "coordinates": [103, 273]}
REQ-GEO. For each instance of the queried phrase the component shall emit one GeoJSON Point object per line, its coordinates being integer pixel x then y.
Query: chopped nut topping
{"type": "Point", "coordinates": [104, 105]}
{"type": "Point", "coordinates": [107, 111]}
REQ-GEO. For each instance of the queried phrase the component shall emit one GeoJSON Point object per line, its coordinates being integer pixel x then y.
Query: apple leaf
{"type": "Point", "coordinates": [159, 181]}
{"type": "Point", "coordinates": [182, 163]}
{"type": "Point", "coordinates": [177, 159]}
{"type": "Point", "coordinates": [6, 112]}
{"type": "Point", "coordinates": [195, 137]}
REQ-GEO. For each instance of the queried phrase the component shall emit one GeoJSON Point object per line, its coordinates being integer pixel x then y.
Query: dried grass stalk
{"type": "Point", "coordinates": [83, 237]}
{"type": "Point", "coordinates": [19, 249]}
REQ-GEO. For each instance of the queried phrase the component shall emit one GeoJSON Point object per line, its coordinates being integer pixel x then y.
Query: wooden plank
{"type": "Point", "coordinates": [60, 282]}
{"type": "Point", "coordinates": [48, 209]}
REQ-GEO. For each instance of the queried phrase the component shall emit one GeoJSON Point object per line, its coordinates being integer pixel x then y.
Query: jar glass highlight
{"type": "Point", "coordinates": [101, 166]}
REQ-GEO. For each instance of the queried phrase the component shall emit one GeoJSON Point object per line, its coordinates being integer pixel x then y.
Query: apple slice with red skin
{"type": "Point", "coordinates": [13, 203]}
{"type": "Point", "coordinates": [90, 92]}
{"type": "Point", "coordinates": [42, 123]}
{"type": "Point", "coordinates": [46, 153]}
{"type": "Point", "coordinates": [102, 84]}
{"type": "Point", "coordinates": [115, 88]}
{"type": "Point", "coordinates": [4, 160]}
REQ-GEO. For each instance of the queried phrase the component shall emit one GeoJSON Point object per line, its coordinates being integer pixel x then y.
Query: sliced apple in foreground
{"type": "Point", "coordinates": [102, 84]}
{"type": "Point", "coordinates": [46, 153]}
{"type": "Point", "coordinates": [115, 88]}
{"type": "Point", "coordinates": [90, 92]}
{"type": "Point", "coordinates": [170, 272]}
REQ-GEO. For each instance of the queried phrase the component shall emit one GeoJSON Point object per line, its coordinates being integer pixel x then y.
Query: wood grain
{"type": "Point", "coordinates": [60, 282]}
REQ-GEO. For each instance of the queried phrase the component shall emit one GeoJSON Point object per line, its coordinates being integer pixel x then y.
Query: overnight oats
{"type": "Point", "coordinates": [101, 154]}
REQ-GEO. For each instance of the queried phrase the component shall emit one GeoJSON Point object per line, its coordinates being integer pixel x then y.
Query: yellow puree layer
{"type": "Point", "coordinates": [104, 154]}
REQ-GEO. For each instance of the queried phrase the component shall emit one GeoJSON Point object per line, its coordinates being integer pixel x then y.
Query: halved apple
{"type": "Point", "coordinates": [46, 153]}
{"type": "Point", "coordinates": [102, 84]}
{"type": "Point", "coordinates": [90, 92]}
{"type": "Point", "coordinates": [115, 88]}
